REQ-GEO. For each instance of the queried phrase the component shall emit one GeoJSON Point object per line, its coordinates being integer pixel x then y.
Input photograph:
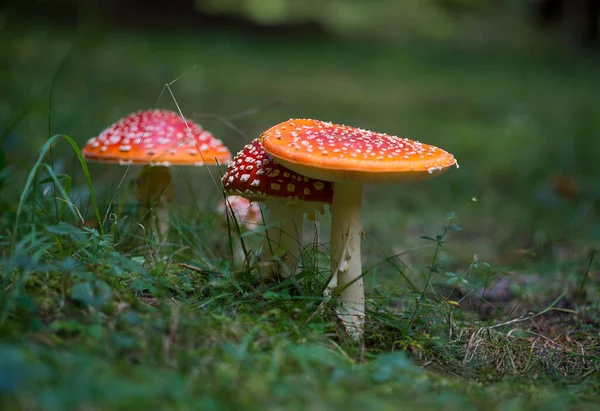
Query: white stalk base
{"type": "Point", "coordinates": [346, 268]}
{"type": "Point", "coordinates": [154, 194]}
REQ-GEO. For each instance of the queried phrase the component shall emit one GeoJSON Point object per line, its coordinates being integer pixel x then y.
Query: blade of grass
{"type": "Point", "coordinates": [585, 275]}
{"type": "Point", "coordinates": [63, 192]}
{"type": "Point", "coordinates": [50, 94]}
{"type": "Point", "coordinates": [37, 165]}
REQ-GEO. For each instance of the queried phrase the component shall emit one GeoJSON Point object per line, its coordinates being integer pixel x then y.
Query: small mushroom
{"type": "Point", "coordinates": [246, 213]}
{"type": "Point", "coordinates": [288, 195]}
{"type": "Point", "coordinates": [350, 157]}
{"type": "Point", "coordinates": [156, 139]}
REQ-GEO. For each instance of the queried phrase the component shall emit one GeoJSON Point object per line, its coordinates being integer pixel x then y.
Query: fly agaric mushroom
{"type": "Point", "coordinates": [246, 213]}
{"type": "Point", "coordinates": [156, 139]}
{"type": "Point", "coordinates": [288, 195]}
{"type": "Point", "coordinates": [350, 157]}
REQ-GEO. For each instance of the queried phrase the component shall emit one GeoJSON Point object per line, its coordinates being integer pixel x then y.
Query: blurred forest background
{"type": "Point", "coordinates": [381, 20]}
{"type": "Point", "coordinates": [510, 87]}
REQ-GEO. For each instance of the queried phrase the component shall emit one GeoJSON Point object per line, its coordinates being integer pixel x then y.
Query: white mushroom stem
{"type": "Point", "coordinates": [282, 246]}
{"type": "Point", "coordinates": [346, 233]}
{"type": "Point", "coordinates": [331, 285]}
{"type": "Point", "coordinates": [155, 193]}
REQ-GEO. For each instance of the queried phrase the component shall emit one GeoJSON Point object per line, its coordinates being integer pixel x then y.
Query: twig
{"type": "Point", "coordinates": [200, 270]}
{"type": "Point", "coordinates": [587, 374]}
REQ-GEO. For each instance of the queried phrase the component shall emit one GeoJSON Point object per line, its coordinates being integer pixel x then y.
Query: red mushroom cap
{"type": "Point", "coordinates": [156, 137]}
{"type": "Point", "coordinates": [339, 153]}
{"type": "Point", "coordinates": [254, 175]}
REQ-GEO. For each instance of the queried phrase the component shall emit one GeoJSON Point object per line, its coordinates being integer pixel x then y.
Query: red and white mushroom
{"type": "Point", "coordinates": [350, 157]}
{"type": "Point", "coordinates": [288, 195]}
{"type": "Point", "coordinates": [156, 139]}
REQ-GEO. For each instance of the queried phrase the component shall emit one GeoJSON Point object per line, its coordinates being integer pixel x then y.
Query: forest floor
{"type": "Point", "coordinates": [102, 317]}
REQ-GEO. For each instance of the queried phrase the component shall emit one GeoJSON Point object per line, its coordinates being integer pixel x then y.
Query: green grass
{"type": "Point", "coordinates": [113, 321]}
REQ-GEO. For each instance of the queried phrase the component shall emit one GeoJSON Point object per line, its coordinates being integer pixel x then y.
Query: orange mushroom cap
{"type": "Point", "coordinates": [254, 174]}
{"type": "Point", "coordinates": [156, 137]}
{"type": "Point", "coordinates": [345, 154]}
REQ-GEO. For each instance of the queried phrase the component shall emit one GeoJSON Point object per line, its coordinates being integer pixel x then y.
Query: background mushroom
{"type": "Point", "coordinates": [156, 139]}
{"type": "Point", "coordinates": [247, 214]}
{"type": "Point", "coordinates": [350, 157]}
{"type": "Point", "coordinates": [245, 211]}
{"type": "Point", "coordinates": [288, 196]}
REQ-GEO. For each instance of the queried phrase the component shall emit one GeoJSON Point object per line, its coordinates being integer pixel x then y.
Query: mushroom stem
{"type": "Point", "coordinates": [282, 246]}
{"type": "Point", "coordinates": [155, 194]}
{"type": "Point", "coordinates": [346, 232]}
